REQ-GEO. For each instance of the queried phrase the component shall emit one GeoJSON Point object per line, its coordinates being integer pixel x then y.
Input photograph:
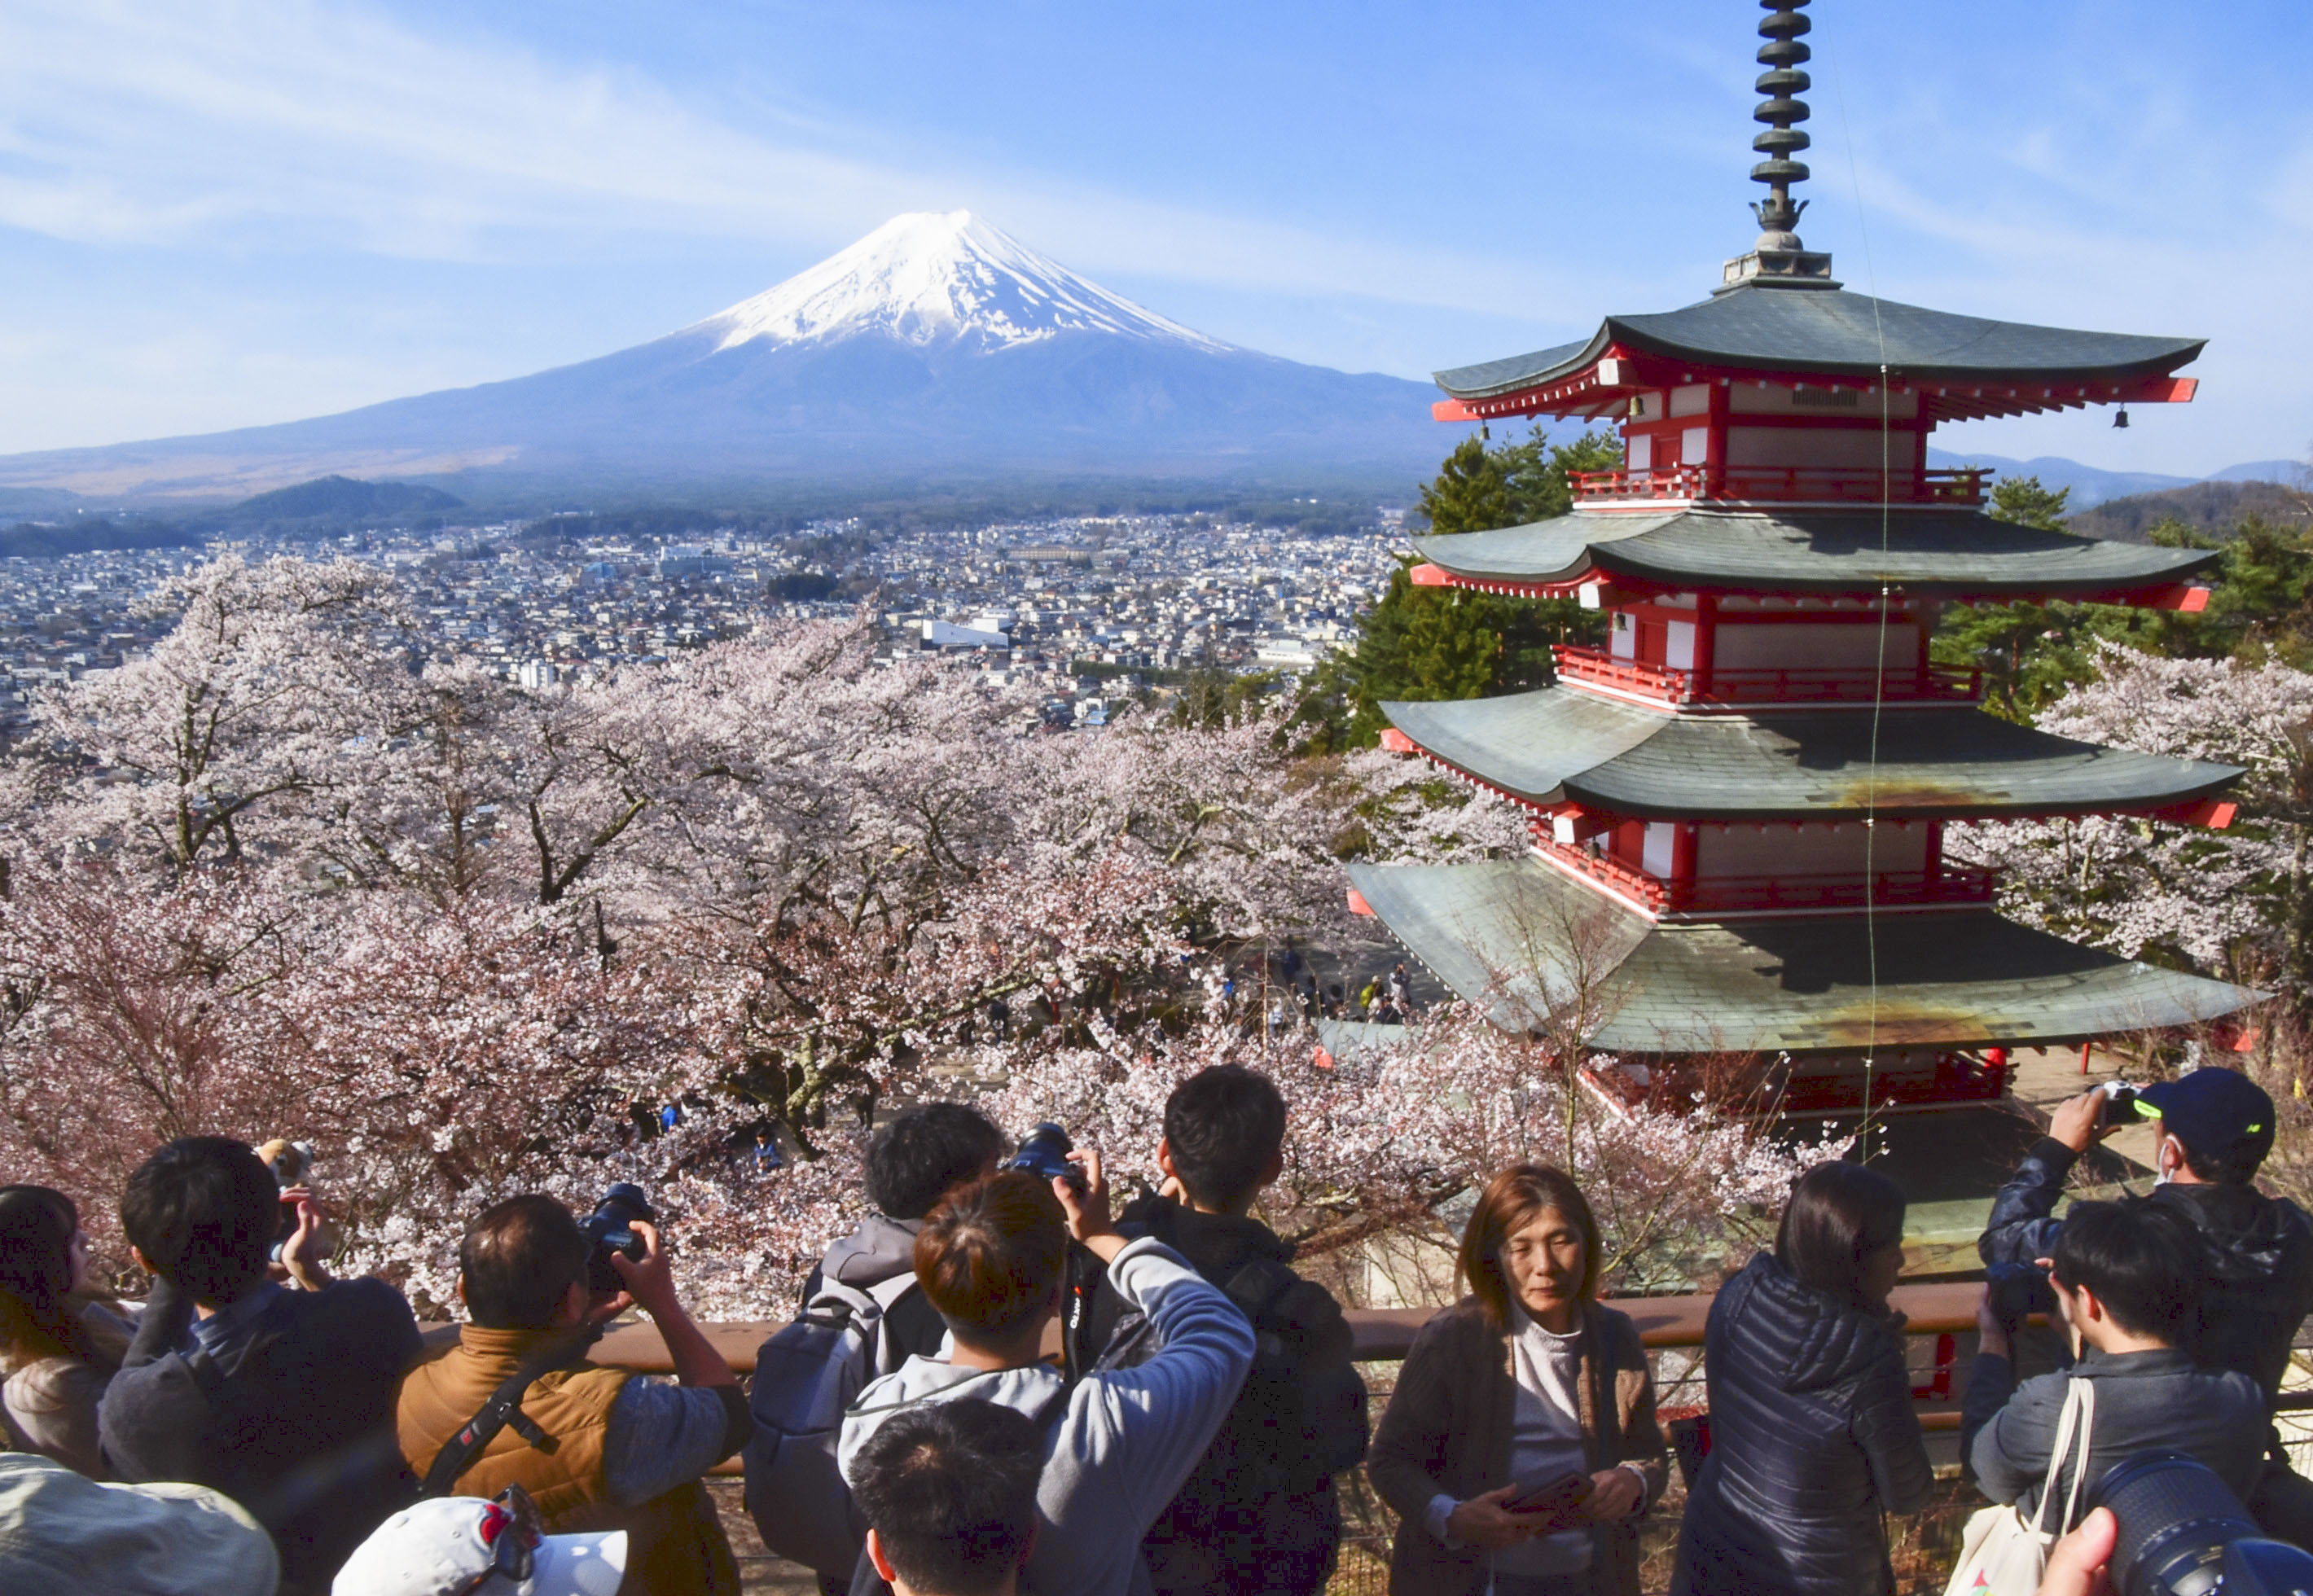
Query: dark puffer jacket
{"type": "Point", "coordinates": [2260, 1284]}
{"type": "Point", "coordinates": [1812, 1438]}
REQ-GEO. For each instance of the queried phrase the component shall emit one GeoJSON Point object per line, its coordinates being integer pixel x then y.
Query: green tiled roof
{"type": "Point", "coordinates": [1936, 553]}
{"type": "Point", "coordinates": [1509, 934]}
{"type": "Point", "coordinates": [1561, 743]}
{"type": "Point", "coordinates": [1775, 329]}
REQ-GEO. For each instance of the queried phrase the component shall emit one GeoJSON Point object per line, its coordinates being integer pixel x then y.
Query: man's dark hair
{"type": "Point", "coordinates": [1224, 1124]}
{"type": "Point", "coordinates": [2143, 1262]}
{"type": "Point", "coordinates": [925, 1152]}
{"type": "Point", "coordinates": [2236, 1165]}
{"type": "Point", "coordinates": [520, 1259]}
{"type": "Point", "coordinates": [203, 1211]}
{"type": "Point", "coordinates": [950, 1490]}
{"type": "Point", "coordinates": [990, 1256]}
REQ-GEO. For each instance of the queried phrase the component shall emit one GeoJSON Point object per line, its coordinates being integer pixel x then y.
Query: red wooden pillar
{"type": "Point", "coordinates": [1706, 641]}
{"type": "Point", "coordinates": [1714, 471]}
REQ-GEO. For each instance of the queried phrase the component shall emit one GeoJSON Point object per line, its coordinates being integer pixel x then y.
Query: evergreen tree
{"type": "Point", "coordinates": [1432, 643]}
{"type": "Point", "coordinates": [2260, 608]}
{"type": "Point", "coordinates": [2030, 653]}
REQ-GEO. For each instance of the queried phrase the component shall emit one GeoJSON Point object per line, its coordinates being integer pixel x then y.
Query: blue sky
{"type": "Point", "coordinates": [216, 214]}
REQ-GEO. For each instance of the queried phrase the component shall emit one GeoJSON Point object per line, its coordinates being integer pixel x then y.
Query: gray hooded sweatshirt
{"type": "Point", "coordinates": [1127, 1438]}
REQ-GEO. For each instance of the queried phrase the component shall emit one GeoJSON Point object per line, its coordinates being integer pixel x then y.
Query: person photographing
{"type": "Point", "coordinates": [2213, 1129]}
{"type": "Point", "coordinates": [598, 1449]}
{"type": "Point", "coordinates": [1115, 1447]}
{"type": "Point", "coordinates": [2127, 1280]}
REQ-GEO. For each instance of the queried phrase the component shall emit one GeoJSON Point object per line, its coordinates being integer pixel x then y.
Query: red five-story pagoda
{"type": "Point", "coordinates": [1739, 803]}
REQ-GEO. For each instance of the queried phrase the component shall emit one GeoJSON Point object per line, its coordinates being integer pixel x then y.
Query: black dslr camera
{"type": "Point", "coordinates": [2184, 1533]}
{"type": "Point", "coordinates": [611, 1228]}
{"type": "Point", "coordinates": [1045, 1154]}
{"type": "Point", "coordinates": [2018, 1292]}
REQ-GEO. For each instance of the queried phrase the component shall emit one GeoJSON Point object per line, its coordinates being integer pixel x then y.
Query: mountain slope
{"type": "Point", "coordinates": [2215, 506]}
{"type": "Point", "coordinates": [936, 349]}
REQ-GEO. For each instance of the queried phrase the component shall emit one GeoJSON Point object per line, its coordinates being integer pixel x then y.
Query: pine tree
{"type": "Point", "coordinates": [1432, 643]}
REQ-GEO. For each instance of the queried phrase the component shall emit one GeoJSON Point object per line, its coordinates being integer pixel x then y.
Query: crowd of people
{"type": "Point", "coordinates": [999, 1381]}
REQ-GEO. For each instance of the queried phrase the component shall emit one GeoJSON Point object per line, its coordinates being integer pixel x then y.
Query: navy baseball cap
{"type": "Point", "coordinates": [2212, 1111]}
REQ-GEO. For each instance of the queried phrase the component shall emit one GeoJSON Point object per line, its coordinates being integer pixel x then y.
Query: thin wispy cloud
{"type": "Point", "coordinates": [220, 211]}
{"type": "Point", "coordinates": [219, 125]}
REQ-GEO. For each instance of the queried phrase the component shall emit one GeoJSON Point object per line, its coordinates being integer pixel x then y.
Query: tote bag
{"type": "Point", "coordinates": [2001, 1555]}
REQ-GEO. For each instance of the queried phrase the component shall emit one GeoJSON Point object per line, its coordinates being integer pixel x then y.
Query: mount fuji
{"type": "Point", "coordinates": [935, 352]}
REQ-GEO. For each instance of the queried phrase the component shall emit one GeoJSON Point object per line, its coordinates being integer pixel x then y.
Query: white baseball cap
{"type": "Point", "coordinates": [465, 1546]}
{"type": "Point", "coordinates": [59, 1531]}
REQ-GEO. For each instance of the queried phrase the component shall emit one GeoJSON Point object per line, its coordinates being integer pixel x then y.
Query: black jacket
{"type": "Point", "coordinates": [299, 1430]}
{"type": "Point", "coordinates": [1812, 1439]}
{"type": "Point", "coordinates": [2260, 1257]}
{"type": "Point", "coordinates": [2145, 1401]}
{"type": "Point", "coordinates": [1259, 1513]}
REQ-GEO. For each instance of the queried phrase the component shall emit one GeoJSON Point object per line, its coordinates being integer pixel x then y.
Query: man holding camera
{"type": "Point", "coordinates": [992, 1259]}
{"type": "Point", "coordinates": [1260, 1513]}
{"type": "Point", "coordinates": [2127, 1283]}
{"type": "Point", "coordinates": [2212, 1130]}
{"type": "Point", "coordinates": [598, 1448]}
{"type": "Point", "coordinates": [281, 1399]}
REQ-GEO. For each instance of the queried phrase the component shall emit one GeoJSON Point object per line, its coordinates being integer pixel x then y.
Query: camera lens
{"type": "Point", "coordinates": [2176, 1518]}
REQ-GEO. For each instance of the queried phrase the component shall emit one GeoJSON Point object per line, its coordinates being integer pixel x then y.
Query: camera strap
{"type": "Point", "coordinates": [504, 1411]}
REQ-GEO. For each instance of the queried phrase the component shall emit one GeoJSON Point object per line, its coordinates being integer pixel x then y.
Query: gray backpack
{"type": "Point", "coordinates": [806, 1377]}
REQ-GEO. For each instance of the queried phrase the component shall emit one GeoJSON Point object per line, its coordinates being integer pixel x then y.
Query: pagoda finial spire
{"type": "Point", "coordinates": [1783, 82]}
{"type": "Point", "coordinates": [1778, 255]}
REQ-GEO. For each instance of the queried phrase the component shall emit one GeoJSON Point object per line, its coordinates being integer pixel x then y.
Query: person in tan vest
{"type": "Point", "coordinates": [607, 1449]}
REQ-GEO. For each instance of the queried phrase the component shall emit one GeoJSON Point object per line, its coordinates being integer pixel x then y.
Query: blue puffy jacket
{"type": "Point", "coordinates": [1812, 1439]}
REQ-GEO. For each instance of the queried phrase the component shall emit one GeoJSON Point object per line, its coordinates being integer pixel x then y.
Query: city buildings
{"type": "Point", "coordinates": [1075, 608]}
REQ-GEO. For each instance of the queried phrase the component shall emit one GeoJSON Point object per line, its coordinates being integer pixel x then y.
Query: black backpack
{"type": "Point", "coordinates": [1289, 1432]}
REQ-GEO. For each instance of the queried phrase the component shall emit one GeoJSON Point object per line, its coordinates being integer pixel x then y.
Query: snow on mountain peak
{"type": "Point", "coordinates": [929, 277]}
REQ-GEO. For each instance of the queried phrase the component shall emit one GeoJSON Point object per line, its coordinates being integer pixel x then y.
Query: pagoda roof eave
{"type": "Point", "coordinates": [1787, 333]}
{"type": "Point", "coordinates": [1560, 744]}
{"type": "Point", "coordinates": [1931, 552]}
{"type": "Point", "coordinates": [1507, 935]}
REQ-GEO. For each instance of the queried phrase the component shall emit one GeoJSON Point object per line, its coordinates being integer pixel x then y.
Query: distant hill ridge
{"type": "Point", "coordinates": [343, 497]}
{"type": "Point", "coordinates": [2212, 507]}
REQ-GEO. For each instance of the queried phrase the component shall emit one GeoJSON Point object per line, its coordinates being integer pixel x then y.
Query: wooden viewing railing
{"type": "Point", "coordinates": [1857, 684]}
{"type": "Point", "coordinates": [1938, 1312]}
{"type": "Point", "coordinates": [1865, 485]}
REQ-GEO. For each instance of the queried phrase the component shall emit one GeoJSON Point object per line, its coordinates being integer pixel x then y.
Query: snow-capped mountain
{"type": "Point", "coordinates": [930, 278]}
{"type": "Point", "coordinates": [935, 351]}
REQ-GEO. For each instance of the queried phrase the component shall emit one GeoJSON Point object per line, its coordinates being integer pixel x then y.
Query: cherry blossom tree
{"type": "Point", "coordinates": [208, 747]}
{"type": "Point", "coordinates": [468, 939]}
{"type": "Point", "coordinates": [2237, 901]}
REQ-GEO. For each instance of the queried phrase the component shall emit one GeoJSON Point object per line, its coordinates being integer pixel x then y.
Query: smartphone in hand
{"type": "Point", "coordinates": [1558, 1498]}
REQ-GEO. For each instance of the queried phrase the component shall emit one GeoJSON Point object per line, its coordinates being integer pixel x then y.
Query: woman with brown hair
{"type": "Point", "coordinates": [1525, 1382]}
{"type": "Point", "coordinates": [56, 1353]}
{"type": "Point", "coordinates": [1812, 1434]}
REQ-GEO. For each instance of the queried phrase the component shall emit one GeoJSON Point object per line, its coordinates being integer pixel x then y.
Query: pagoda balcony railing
{"type": "Point", "coordinates": [1611, 874]}
{"type": "Point", "coordinates": [1843, 485]}
{"type": "Point", "coordinates": [1855, 684]}
{"type": "Point", "coordinates": [1760, 894]}
{"type": "Point", "coordinates": [1734, 894]}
